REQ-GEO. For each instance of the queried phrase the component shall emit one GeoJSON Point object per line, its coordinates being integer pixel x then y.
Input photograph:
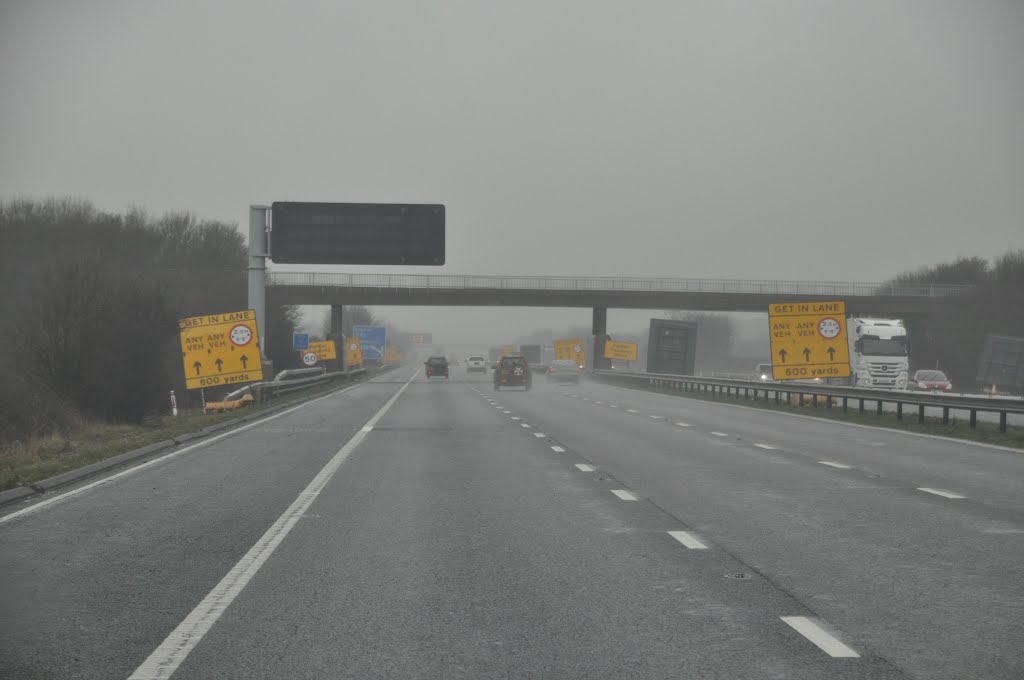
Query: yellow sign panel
{"type": "Point", "coordinates": [220, 349]}
{"type": "Point", "coordinates": [809, 340]}
{"type": "Point", "coordinates": [572, 348]}
{"type": "Point", "coordinates": [391, 355]}
{"type": "Point", "coordinates": [623, 351]}
{"type": "Point", "coordinates": [324, 350]}
{"type": "Point", "coordinates": [508, 350]}
{"type": "Point", "coordinates": [353, 352]}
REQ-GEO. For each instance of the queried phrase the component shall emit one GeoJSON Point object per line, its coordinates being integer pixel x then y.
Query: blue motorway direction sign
{"type": "Point", "coordinates": [373, 340]}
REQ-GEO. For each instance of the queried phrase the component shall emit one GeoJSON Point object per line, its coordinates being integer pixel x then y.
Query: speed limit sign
{"type": "Point", "coordinates": [309, 358]}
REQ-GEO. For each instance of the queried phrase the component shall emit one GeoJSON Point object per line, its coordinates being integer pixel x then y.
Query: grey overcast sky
{"type": "Point", "coordinates": [788, 139]}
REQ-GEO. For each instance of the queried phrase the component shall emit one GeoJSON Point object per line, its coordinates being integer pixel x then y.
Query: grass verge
{"type": "Point", "coordinates": [25, 463]}
{"type": "Point", "coordinates": [957, 428]}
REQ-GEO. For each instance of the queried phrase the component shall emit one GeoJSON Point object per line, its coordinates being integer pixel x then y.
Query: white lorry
{"type": "Point", "coordinates": [878, 353]}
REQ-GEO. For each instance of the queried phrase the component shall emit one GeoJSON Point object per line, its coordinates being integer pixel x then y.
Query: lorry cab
{"type": "Point", "coordinates": [878, 353]}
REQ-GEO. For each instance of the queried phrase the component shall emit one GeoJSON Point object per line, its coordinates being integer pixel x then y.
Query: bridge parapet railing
{"type": "Point", "coordinates": [611, 284]}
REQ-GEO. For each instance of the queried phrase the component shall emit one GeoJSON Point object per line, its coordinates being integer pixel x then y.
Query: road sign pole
{"type": "Point", "coordinates": [258, 269]}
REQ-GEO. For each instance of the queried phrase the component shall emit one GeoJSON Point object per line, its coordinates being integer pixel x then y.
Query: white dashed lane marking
{"type": "Point", "coordinates": [558, 449]}
{"type": "Point", "coordinates": [719, 434]}
{"type": "Point", "coordinates": [655, 417]}
{"type": "Point", "coordinates": [539, 434]}
{"type": "Point", "coordinates": [525, 424]}
{"type": "Point", "coordinates": [683, 424]}
{"type": "Point", "coordinates": [824, 640]}
{"type": "Point", "coordinates": [829, 463]}
{"type": "Point", "coordinates": [585, 468]}
{"type": "Point", "coordinates": [765, 446]}
{"type": "Point", "coordinates": [688, 539]}
{"type": "Point", "coordinates": [613, 405]}
{"type": "Point", "coordinates": [632, 410]}
{"type": "Point", "coordinates": [940, 492]}
{"type": "Point", "coordinates": [515, 417]}
{"type": "Point", "coordinates": [624, 495]}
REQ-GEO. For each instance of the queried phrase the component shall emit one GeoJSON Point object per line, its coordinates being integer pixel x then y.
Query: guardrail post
{"type": "Point", "coordinates": [974, 418]}
{"type": "Point", "coordinates": [778, 397]}
{"type": "Point", "coordinates": [828, 402]}
{"type": "Point", "coordinates": [862, 406]}
{"type": "Point", "coordinates": [899, 410]}
{"type": "Point", "coordinates": [920, 413]}
{"type": "Point", "coordinates": [1002, 421]}
{"type": "Point", "coordinates": [879, 411]}
{"type": "Point", "coordinates": [801, 396]}
{"type": "Point", "coordinates": [814, 400]}
{"type": "Point", "coordinates": [945, 415]}
{"type": "Point", "coordinates": [845, 404]}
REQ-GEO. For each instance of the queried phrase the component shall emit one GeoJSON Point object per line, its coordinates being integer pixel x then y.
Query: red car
{"type": "Point", "coordinates": [927, 380]}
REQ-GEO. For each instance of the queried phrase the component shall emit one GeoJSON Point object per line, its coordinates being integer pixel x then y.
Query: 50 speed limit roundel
{"type": "Point", "coordinates": [829, 328]}
{"type": "Point", "coordinates": [240, 335]}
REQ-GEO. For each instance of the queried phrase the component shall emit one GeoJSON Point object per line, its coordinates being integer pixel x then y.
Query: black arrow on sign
{"type": "Point", "coordinates": [782, 355]}
{"type": "Point", "coordinates": [831, 353]}
{"type": "Point", "coordinates": [197, 366]}
{"type": "Point", "coordinates": [245, 361]}
{"type": "Point", "coordinates": [807, 354]}
{"type": "Point", "coordinates": [220, 364]}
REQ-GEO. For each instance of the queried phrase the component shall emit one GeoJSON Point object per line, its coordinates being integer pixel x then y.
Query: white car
{"type": "Point", "coordinates": [476, 365]}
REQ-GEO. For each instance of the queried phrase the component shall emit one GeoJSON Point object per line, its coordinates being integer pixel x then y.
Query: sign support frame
{"type": "Point", "coordinates": [259, 251]}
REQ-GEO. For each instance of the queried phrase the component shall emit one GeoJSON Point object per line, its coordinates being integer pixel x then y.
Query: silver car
{"type": "Point", "coordinates": [564, 370]}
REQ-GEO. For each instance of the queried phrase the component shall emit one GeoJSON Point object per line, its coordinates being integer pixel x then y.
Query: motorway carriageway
{"type": "Point", "coordinates": [404, 528]}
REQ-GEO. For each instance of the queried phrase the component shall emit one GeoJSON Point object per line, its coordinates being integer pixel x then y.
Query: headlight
{"type": "Point", "coordinates": [764, 376]}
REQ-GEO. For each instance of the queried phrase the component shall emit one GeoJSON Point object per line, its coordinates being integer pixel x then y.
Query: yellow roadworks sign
{"type": "Point", "coordinates": [220, 349]}
{"type": "Point", "coordinates": [391, 355]}
{"type": "Point", "coordinates": [573, 348]}
{"type": "Point", "coordinates": [623, 351]}
{"type": "Point", "coordinates": [508, 350]}
{"type": "Point", "coordinates": [324, 350]}
{"type": "Point", "coordinates": [353, 352]}
{"type": "Point", "coordinates": [808, 340]}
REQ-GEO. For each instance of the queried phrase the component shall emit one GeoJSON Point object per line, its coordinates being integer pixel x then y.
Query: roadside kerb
{"type": "Point", "coordinates": [22, 492]}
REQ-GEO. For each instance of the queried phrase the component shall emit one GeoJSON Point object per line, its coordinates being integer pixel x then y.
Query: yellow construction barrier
{"type": "Point", "coordinates": [222, 406]}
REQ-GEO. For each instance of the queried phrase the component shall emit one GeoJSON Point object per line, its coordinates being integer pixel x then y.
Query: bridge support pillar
{"type": "Point", "coordinates": [600, 331]}
{"type": "Point", "coordinates": [337, 329]}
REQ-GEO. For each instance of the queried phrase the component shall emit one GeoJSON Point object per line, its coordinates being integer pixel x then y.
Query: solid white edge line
{"type": "Point", "coordinates": [940, 492]}
{"type": "Point", "coordinates": [558, 449]}
{"type": "Point", "coordinates": [166, 658]}
{"type": "Point", "coordinates": [624, 495]}
{"type": "Point", "coordinates": [165, 457]}
{"type": "Point", "coordinates": [719, 434]}
{"type": "Point", "coordinates": [585, 468]}
{"type": "Point", "coordinates": [688, 539]}
{"type": "Point", "coordinates": [824, 640]}
{"type": "Point", "coordinates": [841, 466]}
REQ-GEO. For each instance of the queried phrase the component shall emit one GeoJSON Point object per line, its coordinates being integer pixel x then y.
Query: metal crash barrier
{"type": "Point", "coordinates": [827, 395]}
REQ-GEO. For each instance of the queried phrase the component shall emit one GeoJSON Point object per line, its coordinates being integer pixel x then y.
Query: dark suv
{"type": "Point", "coordinates": [436, 366]}
{"type": "Point", "coordinates": [513, 372]}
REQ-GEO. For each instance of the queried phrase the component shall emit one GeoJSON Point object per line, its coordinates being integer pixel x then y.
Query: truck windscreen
{"type": "Point", "coordinates": [891, 347]}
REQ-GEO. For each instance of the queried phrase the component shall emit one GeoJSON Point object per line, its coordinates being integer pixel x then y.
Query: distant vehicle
{"type": "Point", "coordinates": [763, 372]}
{"type": "Point", "coordinates": [436, 367]}
{"type": "Point", "coordinates": [927, 380]}
{"type": "Point", "coordinates": [1001, 369]}
{"type": "Point", "coordinates": [564, 370]}
{"type": "Point", "coordinates": [878, 353]}
{"type": "Point", "coordinates": [513, 371]}
{"type": "Point", "coordinates": [532, 353]}
{"type": "Point", "coordinates": [476, 364]}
